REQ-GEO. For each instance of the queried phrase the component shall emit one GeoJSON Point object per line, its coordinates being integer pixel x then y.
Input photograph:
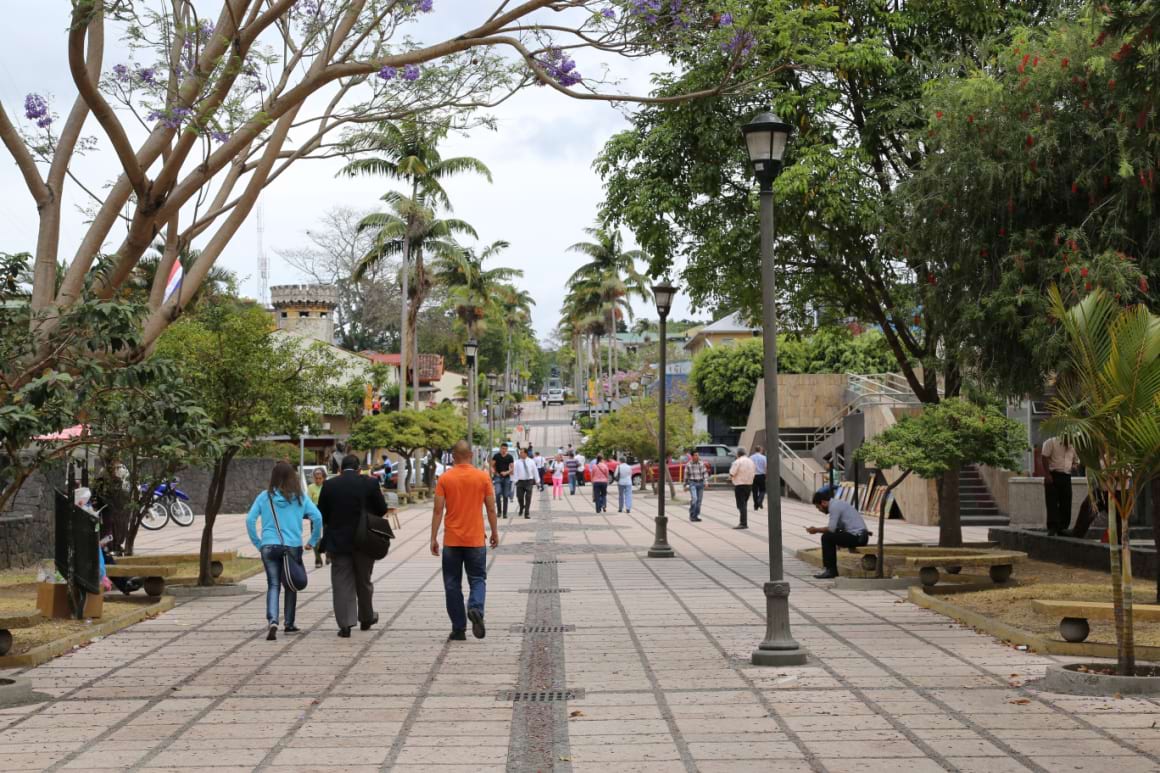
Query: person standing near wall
{"type": "Point", "coordinates": [1059, 459]}
{"type": "Point", "coordinates": [741, 473]}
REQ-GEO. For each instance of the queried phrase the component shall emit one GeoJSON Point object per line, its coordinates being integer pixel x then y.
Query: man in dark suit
{"type": "Point", "coordinates": [341, 502]}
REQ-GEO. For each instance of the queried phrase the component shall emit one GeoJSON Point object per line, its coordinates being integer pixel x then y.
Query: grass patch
{"type": "Point", "coordinates": [233, 571]}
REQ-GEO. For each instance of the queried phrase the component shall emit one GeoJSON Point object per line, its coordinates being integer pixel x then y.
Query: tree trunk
{"type": "Point", "coordinates": [878, 571]}
{"type": "Point", "coordinates": [217, 490]}
{"type": "Point", "coordinates": [1121, 566]}
{"type": "Point", "coordinates": [1154, 506]}
{"type": "Point", "coordinates": [950, 529]}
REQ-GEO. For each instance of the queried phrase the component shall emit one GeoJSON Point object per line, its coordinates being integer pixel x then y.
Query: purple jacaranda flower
{"type": "Point", "coordinates": [424, 6]}
{"type": "Point", "coordinates": [388, 73]}
{"type": "Point", "coordinates": [147, 75]}
{"type": "Point", "coordinates": [121, 72]}
{"type": "Point", "coordinates": [411, 72]}
{"type": "Point", "coordinates": [171, 119]}
{"type": "Point", "coordinates": [608, 13]}
{"type": "Point", "coordinates": [726, 20]}
{"type": "Point", "coordinates": [741, 43]}
{"type": "Point", "coordinates": [559, 67]}
{"type": "Point", "coordinates": [36, 109]}
{"type": "Point", "coordinates": [219, 136]}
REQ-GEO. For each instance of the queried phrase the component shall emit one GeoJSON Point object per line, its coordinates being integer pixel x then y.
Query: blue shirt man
{"type": "Point", "coordinates": [760, 464]}
{"type": "Point", "coordinates": [845, 528]}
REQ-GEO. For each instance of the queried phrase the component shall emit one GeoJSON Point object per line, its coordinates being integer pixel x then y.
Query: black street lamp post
{"type": "Point", "coordinates": [663, 293]}
{"type": "Point", "coordinates": [469, 350]}
{"type": "Point", "coordinates": [766, 137]}
{"type": "Point", "coordinates": [491, 379]}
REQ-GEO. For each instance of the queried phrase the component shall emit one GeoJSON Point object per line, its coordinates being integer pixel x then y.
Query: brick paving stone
{"type": "Point", "coordinates": [660, 648]}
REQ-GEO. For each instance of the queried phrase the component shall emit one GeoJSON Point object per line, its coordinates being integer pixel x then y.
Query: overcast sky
{"type": "Point", "coordinates": [543, 195]}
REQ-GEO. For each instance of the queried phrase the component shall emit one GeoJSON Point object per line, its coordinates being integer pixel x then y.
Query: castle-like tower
{"type": "Point", "coordinates": [307, 310]}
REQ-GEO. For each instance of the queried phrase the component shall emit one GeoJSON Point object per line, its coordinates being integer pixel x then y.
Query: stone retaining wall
{"type": "Point", "coordinates": [26, 525]}
{"type": "Point", "coordinates": [245, 479]}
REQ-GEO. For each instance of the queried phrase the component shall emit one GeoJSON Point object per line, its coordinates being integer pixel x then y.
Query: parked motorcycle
{"type": "Point", "coordinates": [169, 503]}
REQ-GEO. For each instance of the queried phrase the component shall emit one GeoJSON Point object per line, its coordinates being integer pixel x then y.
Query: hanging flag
{"type": "Point", "coordinates": [176, 274]}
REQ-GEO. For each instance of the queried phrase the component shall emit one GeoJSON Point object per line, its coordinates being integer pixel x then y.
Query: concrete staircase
{"type": "Point", "coordinates": [976, 507]}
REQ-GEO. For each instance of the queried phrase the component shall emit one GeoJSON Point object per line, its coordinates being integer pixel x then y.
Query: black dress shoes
{"type": "Point", "coordinates": [457, 635]}
{"type": "Point", "coordinates": [366, 624]}
{"type": "Point", "coordinates": [344, 633]}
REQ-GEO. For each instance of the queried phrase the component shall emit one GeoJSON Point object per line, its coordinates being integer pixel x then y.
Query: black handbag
{"type": "Point", "coordinates": [294, 576]}
{"type": "Point", "coordinates": [373, 536]}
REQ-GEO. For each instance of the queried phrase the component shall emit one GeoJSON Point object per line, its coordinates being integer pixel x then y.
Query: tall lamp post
{"type": "Point", "coordinates": [469, 350]}
{"type": "Point", "coordinates": [766, 137]}
{"type": "Point", "coordinates": [491, 379]}
{"type": "Point", "coordinates": [663, 293]}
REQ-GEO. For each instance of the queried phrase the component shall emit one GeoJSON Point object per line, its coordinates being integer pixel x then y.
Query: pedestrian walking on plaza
{"type": "Point", "coordinates": [574, 471]}
{"type": "Point", "coordinates": [583, 462]}
{"type": "Point", "coordinates": [695, 473]}
{"type": "Point", "coordinates": [558, 468]}
{"type": "Point", "coordinates": [846, 529]}
{"type": "Point", "coordinates": [600, 477]}
{"type": "Point", "coordinates": [318, 477]}
{"type": "Point", "coordinates": [281, 509]}
{"type": "Point", "coordinates": [343, 500]}
{"type": "Point", "coordinates": [1059, 459]}
{"type": "Point", "coordinates": [538, 460]}
{"type": "Point", "coordinates": [623, 477]}
{"type": "Point", "coordinates": [742, 473]}
{"type": "Point", "coordinates": [461, 493]}
{"type": "Point", "coordinates": [759, 464]}
{"type": "Point", "coordinates": [525, 477]}
{"type": "Point", "coordinates": [501, 472]}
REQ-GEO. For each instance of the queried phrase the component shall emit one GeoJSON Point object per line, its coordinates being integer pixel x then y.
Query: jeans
{"type": "Point", "coordinates": [625, 491]}
{"type": "Point", "coordinates": [272, 561]}
{"type": "Point", "coordinates": [503, 493]}
{"type": "Point", "coordinates": [696, 494]}
{"type": "Point", "coordinates": [572, 481]}
{"type": "Point", "coordinates": [455, 561]}
{"type": "Point", "coordinates": [741, 494]}
{"type": "Point", "coordinates": [600, 495]}
{"type": "Point", "coordinates": [831, 541]}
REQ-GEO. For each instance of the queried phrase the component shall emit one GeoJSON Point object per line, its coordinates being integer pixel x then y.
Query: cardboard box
{"type": "Point", "coordinates": [52, 601]}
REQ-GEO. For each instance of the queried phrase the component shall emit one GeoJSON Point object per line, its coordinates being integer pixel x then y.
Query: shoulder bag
{"type": "Point", "coordinates": [373, 535]}
{"type": "Point", "coordinates": [293, 571]}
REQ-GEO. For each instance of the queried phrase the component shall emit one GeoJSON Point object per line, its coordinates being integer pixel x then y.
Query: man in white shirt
{"type": "Point", "coordinates": [1059, 459]}
{"type": "Point", "coordinates": [525, 477]}
{"type": "Point", "coordinates": [538, 460]}
{"type": "Point", "coordinates": [741, 473]}
{"type": "Point", "coordinates": [583, 463]}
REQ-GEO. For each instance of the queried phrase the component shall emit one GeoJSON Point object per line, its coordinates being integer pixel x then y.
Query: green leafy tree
{"type": "Point", "coordinates": [1107, 406]}
{"type": "Point", "coordinates": [632, 429]}
{"type": "Point", "coordinates": [724, 379]}
{"type": "Point", "coordinates": [250, 382]}
{"type": "Point", "coordinates": [408, 431]}
{"type": "Point", "coordinates": [935, 444]}
{"type": "Point", "coordinates": [835, 350]}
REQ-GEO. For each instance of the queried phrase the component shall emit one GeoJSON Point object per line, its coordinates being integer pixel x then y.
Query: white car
{"type": "Point", "coordinates": [556, 396]}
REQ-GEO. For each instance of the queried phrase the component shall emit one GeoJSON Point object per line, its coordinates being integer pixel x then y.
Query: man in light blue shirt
{"type": "Point", "coordinates": [760, 462]}
{"type": "Point", "coordinates": [846, 528]}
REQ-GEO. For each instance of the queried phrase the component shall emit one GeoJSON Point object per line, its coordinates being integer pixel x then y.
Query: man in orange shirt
{"type": "Point", "coordinates": [461, 493]}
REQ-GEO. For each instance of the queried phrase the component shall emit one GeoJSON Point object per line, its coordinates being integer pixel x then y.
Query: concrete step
{"type": "Point", "coordinates": [984, 520]}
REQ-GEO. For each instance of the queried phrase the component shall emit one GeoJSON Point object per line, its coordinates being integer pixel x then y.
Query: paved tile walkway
{"type": "Point", "coordinates": [659, 649]}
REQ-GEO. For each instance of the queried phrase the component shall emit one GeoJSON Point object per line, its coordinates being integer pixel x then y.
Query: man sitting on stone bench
{"type": "Point", "coordinates": [845, 529]}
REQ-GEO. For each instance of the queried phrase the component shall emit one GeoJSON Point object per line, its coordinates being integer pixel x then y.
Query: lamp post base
{"type": "Point", "coordinates": [661, 547]}
{"type": "Point", "coordinates": [779, 647]}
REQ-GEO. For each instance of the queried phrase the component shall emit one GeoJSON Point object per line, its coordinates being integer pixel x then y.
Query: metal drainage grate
{"type": "Point", "coordinates": [521, 628]}
{"type": "Point", "coordinates": [539, 696]}
{"type": "Point", "coordinates": [545, 590]}
{"type": "Point", "coordinates": [546, 561]}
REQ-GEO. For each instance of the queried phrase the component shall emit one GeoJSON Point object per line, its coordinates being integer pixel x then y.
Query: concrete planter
{"type": "Point", "coordinates": [1071, 681]}
{"type": "Point", "coordinates": [873, 583]}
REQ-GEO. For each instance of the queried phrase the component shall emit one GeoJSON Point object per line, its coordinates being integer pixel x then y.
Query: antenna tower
{"type": "Point", "coordinates": [263, 265]}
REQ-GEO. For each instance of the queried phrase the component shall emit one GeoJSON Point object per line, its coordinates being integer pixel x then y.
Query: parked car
{"type": "Point", "coordinates": [719, 457]}
{"type": "Point", "coordinates": [556, 396]}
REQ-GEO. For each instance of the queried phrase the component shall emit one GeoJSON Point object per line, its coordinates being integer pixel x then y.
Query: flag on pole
{"type": "Point", "coordinates": [176, 274]}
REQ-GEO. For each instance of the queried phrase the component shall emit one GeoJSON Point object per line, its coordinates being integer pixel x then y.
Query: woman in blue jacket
{"type": "Point", "coordinates": [281, 509]}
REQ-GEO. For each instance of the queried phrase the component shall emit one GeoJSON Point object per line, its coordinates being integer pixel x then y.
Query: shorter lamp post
{"type": "Point", "coordinates": [766, 137]}
{"type": "Point", "coordinates": [663, 293]}
{"type": "Point", "coordinates": [469, 350]}
{"type": "Point", "coordinates": [500, 396]}
{"type": "Point", "coordinates": [491, 379]}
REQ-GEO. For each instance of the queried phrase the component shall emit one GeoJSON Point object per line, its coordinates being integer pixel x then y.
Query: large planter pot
{"type": "Point", "coordinates": [1071, 680]}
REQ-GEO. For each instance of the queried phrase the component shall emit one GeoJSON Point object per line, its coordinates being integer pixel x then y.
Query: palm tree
{"type": "Point", "coordinates": [471, 290]}
{"type": "Point", "coordinates": [517, 306]}
{"type": "Point", "coordinates": [409, 227]}
{"type": "Point", "coordinates": [1107, 406]}
{"type": "Point", "coordinates": [609, 260]}
{"type": "Point", "coordinates": [408, 150]}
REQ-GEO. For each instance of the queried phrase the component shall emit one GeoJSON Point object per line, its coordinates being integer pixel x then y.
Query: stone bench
{"type": "Point", "coordinates": [1074, 615]}
{"type": "Point", "coordinates": [1001, 564]}
{"type": "Point", "coordinates": [10, 622]}
{"type": "Point", "coordinates": [217, 560]}
{"type": "Point", "coordinates": [154, 575]}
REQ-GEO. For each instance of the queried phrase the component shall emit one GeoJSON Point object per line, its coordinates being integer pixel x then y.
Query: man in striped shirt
{"type": "Point", "coordinates": [695, 483]}
{"type": "Point", "coordinates": [574, 470]}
